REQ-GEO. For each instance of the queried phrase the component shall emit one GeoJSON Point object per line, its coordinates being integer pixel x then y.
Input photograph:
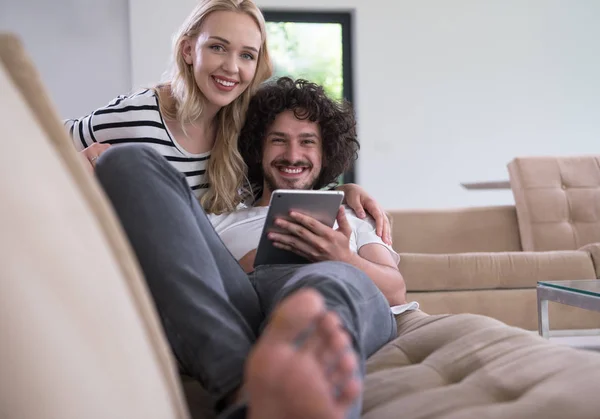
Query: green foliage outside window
{"type": "Point", "coordinates": [312, 51]}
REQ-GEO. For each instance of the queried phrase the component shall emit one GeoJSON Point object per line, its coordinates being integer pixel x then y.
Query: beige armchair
{"type": "Point", "coordinates": [557, 201]}
{"type": "Point", "coordinates": [488, 260]}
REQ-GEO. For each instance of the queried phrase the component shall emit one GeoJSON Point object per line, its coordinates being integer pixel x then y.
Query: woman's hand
{"type": "Point", "coordinates": [92, 153]}
{"type": "Point", "coordinates": [359, 200]}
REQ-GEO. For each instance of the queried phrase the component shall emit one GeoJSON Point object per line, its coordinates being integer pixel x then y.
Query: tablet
{"type": "Point", "coordinates": [321, 205]}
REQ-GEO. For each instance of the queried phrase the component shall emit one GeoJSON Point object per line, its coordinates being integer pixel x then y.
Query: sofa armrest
{"type": "Point", "coordinates": [594, 251]}
{"type": "Point", "coordinates": [506, 270]}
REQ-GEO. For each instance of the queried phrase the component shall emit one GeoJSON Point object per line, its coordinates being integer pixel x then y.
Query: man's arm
{"type": "Point", "coordinates": [317, 242]}
{"type": "Point", "coordinates": [376, 261]}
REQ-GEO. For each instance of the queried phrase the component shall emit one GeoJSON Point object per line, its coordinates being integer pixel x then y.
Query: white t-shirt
{"type": "Point", "coordinates": [241, 230]}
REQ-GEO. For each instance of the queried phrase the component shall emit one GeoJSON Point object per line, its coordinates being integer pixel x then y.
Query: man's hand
{"type": "Point", "coordinates": [312, 239]}
{"type": "Point", "coordinates": [247, 261]}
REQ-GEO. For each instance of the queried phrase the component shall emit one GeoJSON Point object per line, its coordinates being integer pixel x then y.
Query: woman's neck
{"type": "Point", "coordinates": [195, 137]}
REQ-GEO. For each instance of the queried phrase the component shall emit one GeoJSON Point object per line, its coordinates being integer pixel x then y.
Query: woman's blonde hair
{"type": "Point", "coordinates": [226, 168]}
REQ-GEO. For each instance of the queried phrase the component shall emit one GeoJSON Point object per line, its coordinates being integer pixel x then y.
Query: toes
{"type": "Point", "coordinates": [337, 343]}
{"type": "Point", "coordinates": [345, 380]}
{"type": "Point", "coordinates": [348, 393]}
{"type": "Point", "coordinates": [331, 326]}
{"type": "Point", "coordinates": [317, 338]}
{"type": "Point", "coordinates": [344, 368]}
{"type": "Point", "coordinates": [296, 316]}
{"type": "Point", "coordinates": [327, 341]}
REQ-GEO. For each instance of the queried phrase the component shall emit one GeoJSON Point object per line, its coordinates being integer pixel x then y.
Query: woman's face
{"type": "Point", "coordinates": [224, 56]}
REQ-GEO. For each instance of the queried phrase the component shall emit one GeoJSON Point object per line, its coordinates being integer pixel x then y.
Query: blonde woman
{"type": "Point", "coordinates": [220, 57]}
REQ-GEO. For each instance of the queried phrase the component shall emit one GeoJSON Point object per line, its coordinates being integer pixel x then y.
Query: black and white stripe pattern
{"type": "Point", "coordinates": [137, 119]}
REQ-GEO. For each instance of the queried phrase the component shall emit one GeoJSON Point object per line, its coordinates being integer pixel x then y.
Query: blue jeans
{"type": "Point", "coordinates": [212, 312]}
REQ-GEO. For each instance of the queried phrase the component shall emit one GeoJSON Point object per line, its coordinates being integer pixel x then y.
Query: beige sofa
{"type": "Point", "coordinates": [80, 338]}
{"type": "Point", "coordinates": [488, 260]}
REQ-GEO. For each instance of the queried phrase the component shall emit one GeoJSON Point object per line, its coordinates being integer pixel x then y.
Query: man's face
{"type": "Point", "coordinates": [292, 153]}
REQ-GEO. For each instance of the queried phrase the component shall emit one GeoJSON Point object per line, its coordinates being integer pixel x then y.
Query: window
{"type": "Point", "coordinates": [315, 46]}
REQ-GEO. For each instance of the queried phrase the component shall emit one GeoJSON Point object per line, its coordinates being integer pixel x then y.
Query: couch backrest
{"type": "Point", "coordinates": [79, 336]}
{"type": "Point", "coordinates": [477, 229]}
{"type": "Point", "coordinates": [557, 201]}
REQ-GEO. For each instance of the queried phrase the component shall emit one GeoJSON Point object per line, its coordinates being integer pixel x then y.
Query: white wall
{"type": "Point", "coordinates": [80, 48]}
{"type": "Point", "coordinates": [447, 91]}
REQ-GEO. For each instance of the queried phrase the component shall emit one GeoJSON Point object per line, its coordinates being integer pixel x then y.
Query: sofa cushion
{"type": "Point", "coordinates": [467, 366]}
{"type": "Point", "coordinates": [557, 201]}
{"type": "Point", "coordinates": [504, 270]}
{"type": "Point", "coordinates": [80, 338]}
{"type": "Point", "coordinates": [516, 307]}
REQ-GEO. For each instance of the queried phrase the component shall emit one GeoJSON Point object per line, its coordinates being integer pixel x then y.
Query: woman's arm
{"type": "Point", "coordinates": [119, 121]}
{"type": "Point", "coordinates": [360, 201]}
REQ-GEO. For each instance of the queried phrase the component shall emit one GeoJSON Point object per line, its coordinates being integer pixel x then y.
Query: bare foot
{"type": "Point", "coordinates": [302, 366]}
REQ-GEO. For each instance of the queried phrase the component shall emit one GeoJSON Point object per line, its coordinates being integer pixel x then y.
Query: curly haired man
{"type": "Point", "coordinates": [296, 137]}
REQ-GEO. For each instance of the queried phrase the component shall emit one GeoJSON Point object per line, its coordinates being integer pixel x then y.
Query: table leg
{"type": "Point", "coordinates": [543, 323]}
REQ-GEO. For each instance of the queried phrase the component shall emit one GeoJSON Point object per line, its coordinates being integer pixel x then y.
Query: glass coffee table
{"type": "Point", "coordinates": [584, 293]}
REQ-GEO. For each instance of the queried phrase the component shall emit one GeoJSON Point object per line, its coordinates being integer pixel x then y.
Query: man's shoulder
{"type": "Point", "coordinates": [362, 225]}
{"type": "Point", "coordinates": [364, 232]}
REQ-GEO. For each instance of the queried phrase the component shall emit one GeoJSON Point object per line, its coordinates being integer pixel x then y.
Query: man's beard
{"type": "Point", "coordinates": [271, 181]}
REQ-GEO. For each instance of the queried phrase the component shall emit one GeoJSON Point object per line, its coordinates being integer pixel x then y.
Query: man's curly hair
{"type": "Point", "coordinates": [308, 101]}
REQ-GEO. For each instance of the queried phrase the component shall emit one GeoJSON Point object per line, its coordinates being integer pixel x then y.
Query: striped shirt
{"type": "Point", "coordinates": [137, 119]}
